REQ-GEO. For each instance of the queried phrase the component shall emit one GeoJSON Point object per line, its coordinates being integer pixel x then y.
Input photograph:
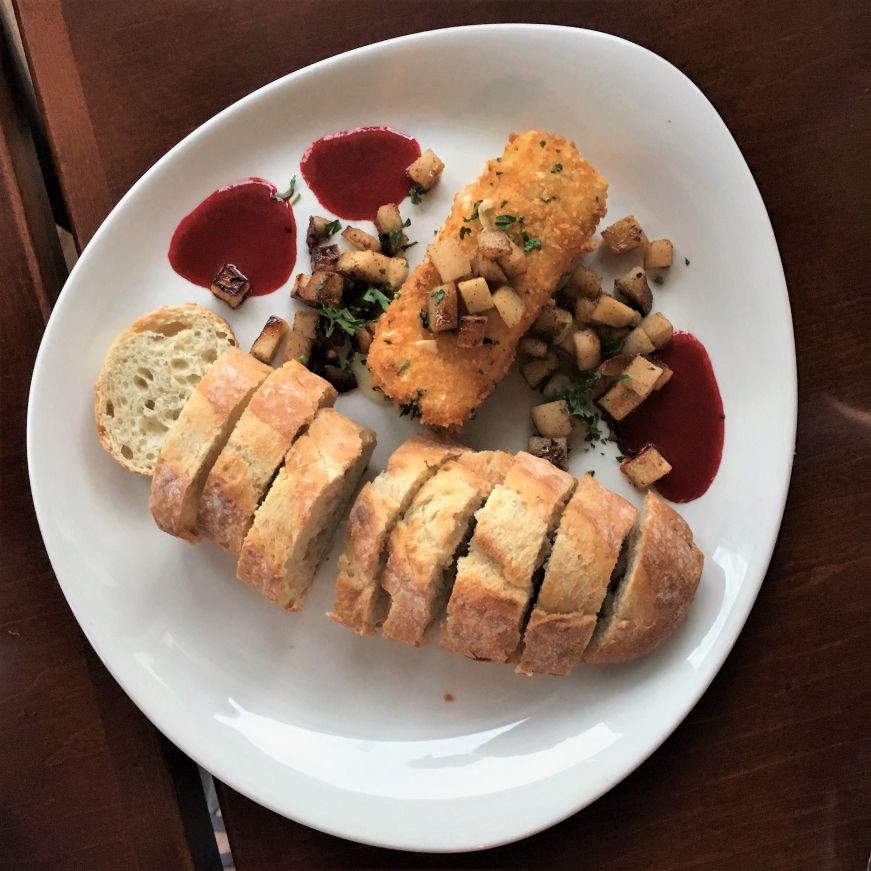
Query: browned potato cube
{"type": "Point", "coordinates": [513, 263]}
{"type": "Point", "coordinates": [659, 254]}
{"type": "Point", "coordinates": [552, 419]}
{"type": "Point", "coordinates": [584, 308]}
{"type": "Point", "coordinates": [369, 266]}
{"type": "Point", "coordinates": [509, 305]}
{"type": "Point", "coordinates": [658, 328]}
{"type": "Point", "coordinates": [449, 259]}
{"type": "Point", "coordinates": [555, 451]}
{"type": "Point", "coordinates": [553, 323]}
{"type": "Point", "coordinates": [300, 339]}
{"type": "Point", "coordinates": [340, 378]}
{"type": "Point", "coordinates": [493, 244]}
{"type": "Point", "coordinates": [442, 308]}
{"type": "Point", "coordinates": [472, 328]}
{"type": "Point", "coordinates": [323, 288]}
{"type": "Point", "coordinates": [319, 230]}
{"type": "Point", "coordinates": [536, 371]}
{"type": "Point", "coordinates": [476, 295]}
{"type": "Point", "coordinates": [649, 466]}
{"type": "Point", "coordinates": [587, 283]}
{"type": "Point", "coordinates": [613, 313]}
{"type": "Point", "coordinates": [266, 344]}
{"type": "Point", "coordinates": [632, 388]}
{"type": "Point", "coordinates": [426, 170]}
{"type": "Point", "coordinates": [388, 219]}
{"type": "Point", "coordinates": [623, 235]}
{"type": "Point", "coordinates": [532, 347]}
{"type": "Point", "coordinates": [362, 341]}
{"type": "Point", "coordinates": [588, 349]}
{"type": "Point", "coordinates": [231, 286]}
{"type": "Point", "coordinates": [614, 366]}
{"type": "Point", "coordinates": [637, 342]}
{"type": "Point", "coordinates": [489, 270]}
{"type": "Point", "coordinates": [664, 378]}
{"type": "Point", "coordinates": [360, 239]}
{"type": "Point", "coordinates": [324, 257]}
{"type": "Point", "coordinates": [397, 272]}
{"type": "Point", "coordinates": [633, 288]}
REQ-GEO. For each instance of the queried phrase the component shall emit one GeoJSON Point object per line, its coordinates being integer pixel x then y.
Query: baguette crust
{"type": "Point", "coordinates": [495, 581]}
{"type": "Point", "coordinates": [591, 532]}
{"type": "Point", "coordinates": [650, 602]}
{"type": "Point", "coordinates": [560, 207]}
{"type": "Point", "coordinates": [423, 543]}
{"type": "Point", "coordinates": [294, 525]}
{"type": "Point", "coordinates": [359, 602]}
{"type": "Point", "coordinates": [199, 434]}
{"type": "Point", "coordinates": [283, 404]}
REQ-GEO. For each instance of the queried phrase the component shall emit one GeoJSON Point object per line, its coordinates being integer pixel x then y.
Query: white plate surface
{"type": "Point", "coordinates": [349, 735]}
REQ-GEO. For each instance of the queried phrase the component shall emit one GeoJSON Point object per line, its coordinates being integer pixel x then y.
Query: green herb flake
{"type": "Point", "coordinates": [557, 167]}
{"type": "Point", "coordinates": [412, 407]}
{"type": "Point", "coordinates": [416, 193]}
{"type": "Point", "coordinates": [530, 243]}
{"type": "Point", "coordinates": [620, 458]}
{"type": "Point", "coordinates": [424, 318]}
{"type": "Point", "coordinates": [505, 220]}
{"type": "Point", "coordinates": [591, 473]}
{"type": "Point", "coordinates": [624, 377]}
{"type": "Point", "coordinates": [438, 295]}
{"type": "Point", "coordinates": [296, 199]}
{"type": "Point", "coordinates": [333, 227]}
{"type": "Point", "coordinates": [408, 245]}
{"type": "Point", "coordinates": [464, 231]}
{"type": "Point", "coordinates": [320, 286]}
{"type": "Point", "coordinates": [339, 318]}
{"type": "Point", "coordinates": [303, 358]}
{"type": "Point", "coordinates": [658, 279]}
{"type": "Point", "coordinates": [406, 365]}
{"type": "Point", "coordinates": [407, 222]}
{"type": "Point", "coordinates": [542, 143]}
{"type": "Point", "coordinates": [373, 294]}
{"type": "Point", "coordinates": [288, 193]}
{"type": "Point", "coordinates": [686, 260]}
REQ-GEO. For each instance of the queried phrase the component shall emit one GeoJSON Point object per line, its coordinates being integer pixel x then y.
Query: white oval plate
{"type": "Point", "coordinates": [349, 735]}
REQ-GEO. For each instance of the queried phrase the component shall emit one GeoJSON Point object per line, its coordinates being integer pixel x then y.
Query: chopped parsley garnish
{"type": "Point", "coordinates": [416, 193]}
{"type": "Point", "coordinates": [612, 347]}
{"type": "Point", "coordinates": [408, 245]}
{"type": "Point", "coordinates": [530, 243]}
{"type": "Point", "coordinates": [373, 294]}
{"type": "Point", "coordinates": [505, 220]}
{"type": "Point", "coordinates": [406, 365]}
{"type": "Point", "coordinates": [303, 358]}
{"type": "Point", "coordinates": [557, 167]}
{"type": "Point", "coordinates": [407, 222]}
{"type": "Point", "coordinates": [333, 227]}
{"type": "Point", "coordinates": [288, 193]}
{"type": "Point", "coordinates": [296, 199]}
{"type": "Point", "coordinates": [591, 473]}
{"type": "Point", "coordinates": [542, 143]}
{"type": "Point", "coordinates": [658, 279]}
{"type": "Point", "coordinates": [339, 318]}
{"type": "Point", "coordinates": [412, 407]}
{"type": "Point", "coordinates": [686, 260]}
{"type": "Point", "coordinates": [424, 318]}
{"type": "Point", "coordinates": [464, 231]}
{"type": "Point", "coordinates": [578, 395]}
{"type": "Point", "coordinates": [624, 377]}
{"type": "Point", "coordinates": [438, 295]}
{"type": "Point", "coordinates": [474, 215]}
{"type": "Point", "coordinates": [320, 286]}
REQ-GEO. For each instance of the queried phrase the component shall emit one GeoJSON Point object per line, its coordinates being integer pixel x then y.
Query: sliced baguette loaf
{"type": "Point", "coordinates": [494, 581]}
{"type": "Point", "coordinates": [662, 574]}
{"type": "Point", "coordinates": [359, 601]}
{"type": "Point", "coordinates": [196, 439]}
{"type": "Point", "coordinates": [294, 525]}
{"type": "Point", "coordinates": [283, 404]}
{"type": "Point", "coordinates": [421, 547]}
{"type": "Point", "coordinates": [591, 532]}
{"type": "Point", "coordinates": [147, 376]}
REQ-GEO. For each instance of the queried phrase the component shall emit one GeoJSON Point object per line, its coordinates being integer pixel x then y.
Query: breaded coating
{"type": "Point", "coordinates": [541, 178]}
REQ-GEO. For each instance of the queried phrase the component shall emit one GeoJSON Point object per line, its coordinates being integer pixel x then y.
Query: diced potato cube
{"type": "Point", "coordinates": [472, 329]}
{"type": "Point", "coordinates": [360, 239]}
{"type": "Point", "coordinates": [658, 328]}
{"type": "Point", "coordinates": [552, 419]}
{"type": "Point", "coordinates": [449, 259]}
{"type": "Point", "coordinates": [584, 308]}
{"type": "Point", "coordinates": [323, 288]}
{"type": "Point", "coordinates": [300, 340]}
{"type": "Point", "coordinates": [555, 451]}
{"type": "Point", "coordinates": [324, 257]}
{"type": "Point", "coordinates": [510, 306]}
{"type": "Point", "coordinates": [476, 295]}
{"type": "Point", "coordinates": [633, 287]}
{"type": "Point", "coordinates": [557, 383]}
{"type": "Point", "coordinates": [340, 378]}
{"type": "Point", "coordinates": [388, 219]}
{"type": "Point", "coordinates": [532, 347]}
{"type": "Point", "coordinates": [566, 343]}
{"type": "Point", "coordinates": [493, 244]}
{"type": "Point", "coordinates": [368, 266]}
{"type": "Point", "coordinates": [231, 286]}
{"type": "Point", "coordinates": [623, 235]}
{"type": "Point", "coordinates": [664, 378]}
{"type": "Point", "coordinates": [587, 282]}
{"type": "Point", "coordinates": [397, 272]}
{"type": "Point", "coordinates": [489, 270]}
{"type": "Point", "coordinates": [536, 371]}
{"type": "Point", "coordinates": [513, 263]}
{"type": "Point", "coordinates": [659, 254]}
{"type": "Point", "coordinates": [553, 323]}
{"type": "Point", "coordinates": [637, 342]}
{"type": "Point", "coordinates": [426, 170]}
{"type": "Point", "coordinates": [614, 366]}
{"type": "Point", "coordinates": [362, 341]}
{"type": "Point", "coordinates": [317, 230]}
{"type": "Point", "coordinates": [442, 308]}
{"type": "Point", "coordinates": [649, 466]}
{"type": "Point", "coordinates": [613, 313]}
{"type": "Point", "coordinates": [266, 344]}
{"type": "Point", "coordinates": [588, 349]}
{"type": "Point", "coordinates": [632, 388]}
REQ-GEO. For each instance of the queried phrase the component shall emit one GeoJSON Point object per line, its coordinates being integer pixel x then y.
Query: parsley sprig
{"type": "Point", "coordinates": [578, 395]}
{"type": "Point", "coordinates": [416, 193]}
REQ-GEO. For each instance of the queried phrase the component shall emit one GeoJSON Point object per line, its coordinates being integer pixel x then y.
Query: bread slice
{"type": "Point", "coordinates": [148, 374]}
{"type": "Point", "coordinates": [421, 547]}
{"type": "Point", "coordinates": [360, 602]}
{"type": "Point", "coordinates": [283, 404]}
{"type": "Point", "coordinates": [293, 527]}
{"type": "Point", "coordinates": [662, 574]}
{"type": "Point", "coordinates": [591, 532]}
{"type": "Point", "coordinates": [495, 580]}
{"type": "Point", "coordinates": [199, 434]}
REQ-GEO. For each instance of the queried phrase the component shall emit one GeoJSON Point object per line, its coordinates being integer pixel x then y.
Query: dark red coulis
{"type": "Point", "coordinates": [243, 224]}
{"type": "Point", "coordinates": [684, 421]}
{"type": "Point", "coordinates": [354, 172]}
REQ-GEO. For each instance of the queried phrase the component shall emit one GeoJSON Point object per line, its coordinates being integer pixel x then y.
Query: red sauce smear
{"type": "Point", "coordinates": [354, 172]}
{"type": "Point", "coordinates": [243, 224]}
{"type": "Point", "coordinates": [684, 421]}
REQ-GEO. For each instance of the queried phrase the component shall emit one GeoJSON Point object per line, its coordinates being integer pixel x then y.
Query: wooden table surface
{"type": "Point", "coordinates": [773, 767]}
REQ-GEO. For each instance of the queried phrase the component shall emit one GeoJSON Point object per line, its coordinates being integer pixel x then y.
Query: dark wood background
{"type": "Point", "coordinates": [773, 767]}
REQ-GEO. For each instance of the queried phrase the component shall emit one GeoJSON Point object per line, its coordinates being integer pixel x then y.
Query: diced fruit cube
{"type": "Point", "coordinates": [633, 287]}
{"type": "Point", "coordinates": [552, 419]}
{"type": "Point", "coordinates": [623, 235]}
{"type": "Point", "coordinates": [588, 349]}
{"type": "Point", "coordinates": [510, 306]}
{"type": "Point", "coordinates": [637, 342]}
{"type": "Point", "coordinates": [266, 344]}
{"type": "Point", "coordinates": [449, 259]}
{"type": "Point", "coordinates": [613, 313]}
{"type": "Point", "coordinates": [659, 254]}
{"type": "Point", "coordinates": [476, 295]}
{"type": "Point", "coordinates": [426, 170]}
{"type": "Point", "coordinates": [442, 308]}
{"type": "Point", "coordinates": [645, 469]}
{"type": "Point", "coordinates": [633, 386]}
{"type": "Point", "coordinates": [658, 328]}
{"type": "Point", "coordinates": [472, 328]}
